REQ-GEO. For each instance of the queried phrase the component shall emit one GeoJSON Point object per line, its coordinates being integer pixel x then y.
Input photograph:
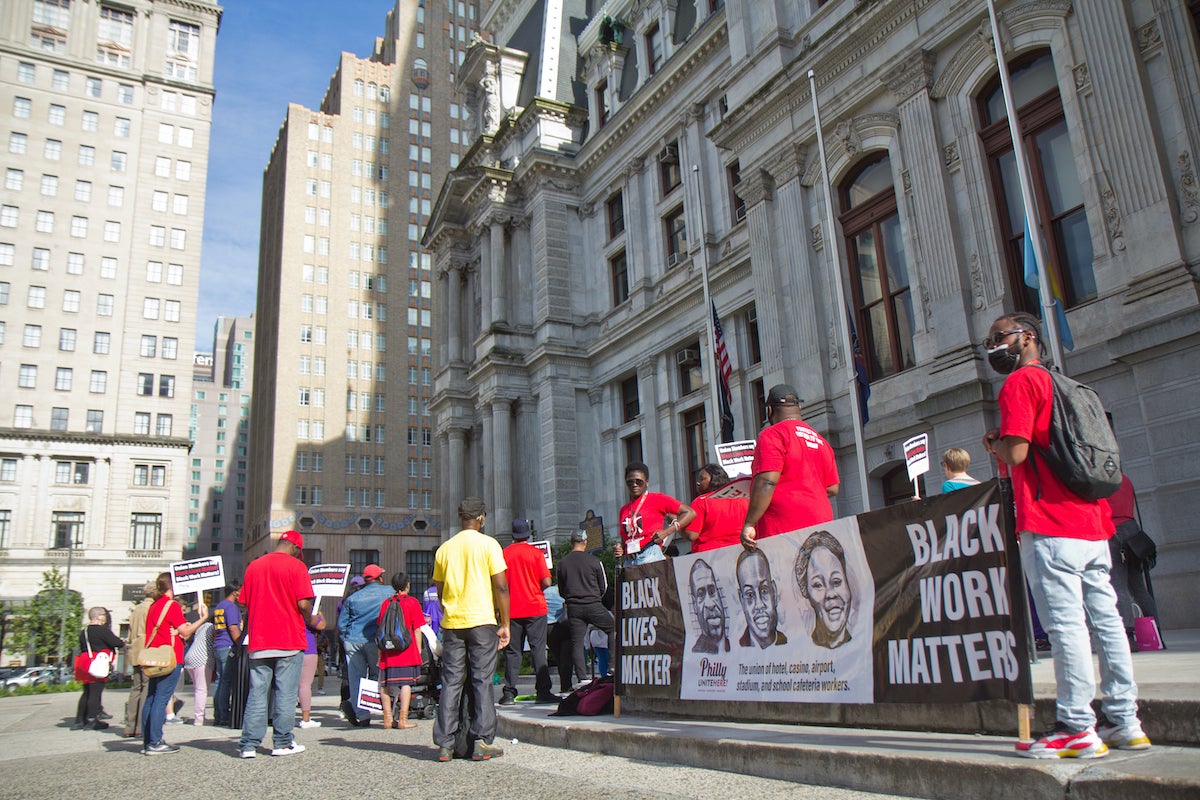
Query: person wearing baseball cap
{"type": "Point", "coordinates": [358, 623]}
{"type": "Point", "coordinates": [794, 470]}
{"type": "Point", "coordinates": [471, 578]}
{"type": "Point", "coordinates": [278, 596]}
{"type": "Point", "coordinates": [582, 583]}
{"type": "Point", "coordinates": [528, 577]}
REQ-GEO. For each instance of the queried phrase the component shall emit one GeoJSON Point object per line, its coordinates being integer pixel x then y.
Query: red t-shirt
{"type": "Point", "coordinates": [414, 618]}
{"type": "Point", "coordinates": [271, 588]}
{"type": "Point", "coordinates": [1025, 401]}
{"type": "Point", "coordinates": [526, 569]}
{"type": "Point", "coordinates": [173, 619]}
{"type": "Point", "coordinates": [806, 467]}
{"type": "Point", "coordinates": [644, 517]}
{"type": "Point", "coordinates": [1122, 503]}
{"type": "Point", "coordinates": [718, 521]}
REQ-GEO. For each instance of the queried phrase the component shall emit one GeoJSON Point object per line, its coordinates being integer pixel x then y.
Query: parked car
{"type": "Point", "coordinates": [9, 672]}
{"type": "Point", "coordinates": [32, 676]}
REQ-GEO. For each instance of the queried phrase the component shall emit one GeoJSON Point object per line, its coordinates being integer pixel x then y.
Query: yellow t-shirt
{"type": "Point", "coordinates": [465, 565]}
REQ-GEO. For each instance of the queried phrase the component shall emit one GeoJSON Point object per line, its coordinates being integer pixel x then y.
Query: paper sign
{"type": "Point", "coordinates": [916, 455]}
{"type": "Point", "coordinates": [545, 548]}
{"type": "Point", "coordinates": [197, 575]}
{"type": "Point", "coordinates": [368, 695]}
{"type": "Point", "coordinates": [738, 489]}
{"type": "Point", "coordinates": [736, 457]}
{"type": "Point", "coordinates": [329, 580]}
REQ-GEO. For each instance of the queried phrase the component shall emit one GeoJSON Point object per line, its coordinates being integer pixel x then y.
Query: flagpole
{"type": "Point", "coordinates": [714, 367]}
{"type": "Point", "coordinates": [1028, 202]}
{"type": "Point", "coordinates": [843, 326]}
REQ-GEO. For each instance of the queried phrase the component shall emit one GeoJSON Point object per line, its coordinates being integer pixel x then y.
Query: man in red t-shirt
{"type": "Point", "coordinates": [278, 596]}
{"type": "Point", "coordinates": [528, 577]}
{"type": "Point", "coordinates": [795, 473]}
{"type": "Point", "coordinates": [643, 520]}
{"type": "Point", "coordinates": [1064, 555]}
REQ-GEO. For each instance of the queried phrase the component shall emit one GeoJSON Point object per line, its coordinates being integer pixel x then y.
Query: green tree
{"type": "Point", "coordinates": [40, 623]}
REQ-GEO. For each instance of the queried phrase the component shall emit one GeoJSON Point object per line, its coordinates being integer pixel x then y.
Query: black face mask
{"type": "Point", "coordinates": [1002, 359]}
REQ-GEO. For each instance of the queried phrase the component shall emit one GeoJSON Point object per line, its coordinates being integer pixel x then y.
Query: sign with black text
{"type": "Point", "coordinates": [329, 580]}
{"type": "Point", "coordinates": [911, 603]}
{"type": "Point", "coordinates": [197, 575]}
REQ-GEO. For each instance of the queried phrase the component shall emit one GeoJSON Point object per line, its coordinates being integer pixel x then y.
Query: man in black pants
{"type": "Point", "coordinates": [581, 582]}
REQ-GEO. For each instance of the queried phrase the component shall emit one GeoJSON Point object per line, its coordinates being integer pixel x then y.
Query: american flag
{"type": "Point", "coordinates": [724, 372]}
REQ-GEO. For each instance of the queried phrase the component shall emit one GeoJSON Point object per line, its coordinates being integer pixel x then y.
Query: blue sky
{"type": "Point", "coordinates": [269, 53]}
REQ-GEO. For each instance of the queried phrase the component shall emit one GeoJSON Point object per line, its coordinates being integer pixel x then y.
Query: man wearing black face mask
{"type": "Point", "coordinates": [1064, 554]}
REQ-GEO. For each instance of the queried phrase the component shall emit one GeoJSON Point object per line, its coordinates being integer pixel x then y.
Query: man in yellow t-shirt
{"type": "Point", "coordinates": [470, 575]}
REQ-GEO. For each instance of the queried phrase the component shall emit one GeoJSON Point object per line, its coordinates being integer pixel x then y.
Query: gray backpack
{"type": "Point", "coordinates": [1083, 450]}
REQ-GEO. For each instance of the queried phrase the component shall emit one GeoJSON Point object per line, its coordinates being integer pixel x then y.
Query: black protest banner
{"type": "Point", "coordinates": [649, 631]}
{"type": "Point", "coordinates": [949, 609]}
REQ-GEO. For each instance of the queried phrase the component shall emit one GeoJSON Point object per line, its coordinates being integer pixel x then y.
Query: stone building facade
{"type": "Point", "coordinates": [570, 271]}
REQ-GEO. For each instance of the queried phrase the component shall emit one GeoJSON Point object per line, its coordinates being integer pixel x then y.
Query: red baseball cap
{"type": "Point", "coordinates": [294, 537]}
{"type": "Point", "coordinates": [372, 571]}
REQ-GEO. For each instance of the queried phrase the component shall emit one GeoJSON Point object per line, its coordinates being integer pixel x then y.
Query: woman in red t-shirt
{"type": "Point", "coordinates": [713, 522]}
{"type": "Point", "coordinates": [399, 671]}
{"type": "Point", "coordinates": [165, 624]}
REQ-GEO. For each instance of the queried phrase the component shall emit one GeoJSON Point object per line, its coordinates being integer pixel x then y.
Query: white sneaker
{"type": "Point", "coordinates": [290, 750]}
{"type": "Point", "coordinates": [312, 723]}
{"type": "Point", "coordinates": [249, 754]}
{"type": "Point", "coordinates": [1123, 737]}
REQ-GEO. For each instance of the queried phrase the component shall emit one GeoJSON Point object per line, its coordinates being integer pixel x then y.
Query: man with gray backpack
{"type": "Point", "coordinates": [1062, 467]}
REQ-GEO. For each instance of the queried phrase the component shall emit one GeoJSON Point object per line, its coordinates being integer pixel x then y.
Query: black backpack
{"type": "Point", "coordinates": [393, 636]}
{"type": "Point", "coordinates": [1083, 449]}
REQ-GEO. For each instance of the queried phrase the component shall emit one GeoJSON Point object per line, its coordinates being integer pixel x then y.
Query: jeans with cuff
{"type": "Point", "coordinates": [362, 659]}
{"type": "Point", "coordinates": [1070, 585]}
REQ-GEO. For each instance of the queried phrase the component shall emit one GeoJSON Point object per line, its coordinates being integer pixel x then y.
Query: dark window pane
{"type": "Point", "coordinates": [893, 254]}
{"type": "Point", "coordinates": [1075, 241]}
{"type": "Point", "coordinates": [868, 268]}
{"type": "Point", "coordinates": [1058, 169]}
{"type": "Point", "coordinates": [1029, 81]}
{"type": "Point", "coordinates": [879, 351]}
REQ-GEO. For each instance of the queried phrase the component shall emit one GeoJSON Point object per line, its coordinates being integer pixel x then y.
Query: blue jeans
{"type": "Point", "coordinates": [285, 670]}
{"type": "Point", "coordinates": [223, 691]}
{"type": "Point", "coordinates": [154, 707]}
{"type": "Point", "coordinates": [468, 657]}
{"type": "Point", "coordinates": [1069, 582]}
{"type": "Point", "coordinates": [647, 555]}
{"type": "Point", "coordinates": [362, 659]}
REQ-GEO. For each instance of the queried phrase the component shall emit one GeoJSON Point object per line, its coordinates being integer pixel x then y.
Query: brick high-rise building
{"type": "Point", "coordinates": [105, 112]}
{"type": "Point", "coordinates": [341, 433]}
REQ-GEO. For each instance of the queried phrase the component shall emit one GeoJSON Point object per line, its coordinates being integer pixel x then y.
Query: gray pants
{"type": "Point", "coordinates": [133, 706]}
{"type": "Point", "coordinates": [468, 657]}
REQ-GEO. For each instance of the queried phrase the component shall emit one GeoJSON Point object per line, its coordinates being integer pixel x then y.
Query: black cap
{"type": "Point", "coordinates": [783, 395]}
{"type": "Point", "coordinates": [471, 507]}
{"type": "Point", "coordinates": [521, 529]}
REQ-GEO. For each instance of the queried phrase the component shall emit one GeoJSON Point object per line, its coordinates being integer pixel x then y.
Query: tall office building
{"type": "Point", "coordinates": [341, 433]}
{"type": "Point", "coordinates": [105, 111]}
{"type": "Point", "coordinates": [220, 431]}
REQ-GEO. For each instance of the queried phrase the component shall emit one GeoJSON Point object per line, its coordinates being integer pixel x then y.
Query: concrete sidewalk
{"type": "Point", "coordinates": [911, 762]}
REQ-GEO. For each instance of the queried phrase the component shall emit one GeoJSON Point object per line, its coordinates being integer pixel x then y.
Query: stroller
{"type": "Point", "coordinates": [427, 690]}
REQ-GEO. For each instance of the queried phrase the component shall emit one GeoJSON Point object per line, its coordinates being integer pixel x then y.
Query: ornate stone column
{"type": "Point", "coordinates": [936, 257]}
{"type": "Point", "coordinates": [502, 460]}
{"type": "Point", "coordinates": [483, 283]}
{"type": "Point", "coordinates": [455, 489]}
{"type": "Point", "coordinates": [454, 313]}
{"type": "Point", "coordinates": [757, 188]}
{"type": "Point", "coordinates": [499, 270]}
{"type": "Point", "coordinates": [487, 455]}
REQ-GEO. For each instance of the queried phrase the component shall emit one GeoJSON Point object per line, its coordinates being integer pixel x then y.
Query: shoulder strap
{"type": "Point", "coordinates": [87, 641]}
{"type": "Point", "coordinates": [161, 617]}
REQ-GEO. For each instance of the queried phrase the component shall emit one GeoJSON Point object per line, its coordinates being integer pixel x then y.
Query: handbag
{"type": "Point", "coordinates": [1142, 547]}
{"type": "Point", "coordinates": [1145, 633]}
{"type": "Point", "coordinates": [158, 661]}
{"type": "Point", "coordinates": [101, 661]}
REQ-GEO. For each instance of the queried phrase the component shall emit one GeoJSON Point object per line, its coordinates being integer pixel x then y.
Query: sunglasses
{"type": "Point", "coordinates": [992, 341]}
{"type": "Point", "coordinates": [634, 482]}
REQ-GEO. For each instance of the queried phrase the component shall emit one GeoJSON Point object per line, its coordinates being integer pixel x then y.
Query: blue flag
{"type": "Point", "coordinates": [1033, 282]}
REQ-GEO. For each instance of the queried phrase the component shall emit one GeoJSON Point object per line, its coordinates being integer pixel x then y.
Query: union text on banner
{"type": "Point", "coordinates": [329, 580]}
{"type": "Point", "coordinates": [197, 575]}
{"type": "Point", "coordinates": [911, 603]}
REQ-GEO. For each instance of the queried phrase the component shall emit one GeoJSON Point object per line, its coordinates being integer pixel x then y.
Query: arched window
{"type": "Point", "coordinates": [879, 283]}
{"type": "Point", "coordinates": [420, 73]}
{"type": "Point", "coordinates": [358, 88]}
{"type": "Point", "coordinates": [372, 90]}
{"type": "Point", "coordinates": [1053, 176]}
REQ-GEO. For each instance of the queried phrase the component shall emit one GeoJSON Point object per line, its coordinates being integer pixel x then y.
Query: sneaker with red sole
{"type": "Point", "coordinates": [1123, 737]}
{"type": "Point", "coordinates": [1061, 742]}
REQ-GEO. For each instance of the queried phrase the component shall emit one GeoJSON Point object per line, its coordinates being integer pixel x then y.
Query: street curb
{"type": "Point", "coordinates": [891, 770]}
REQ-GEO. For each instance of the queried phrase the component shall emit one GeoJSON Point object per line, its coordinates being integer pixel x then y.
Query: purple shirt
{"type": "Point", "coordinates": [225, 614]}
